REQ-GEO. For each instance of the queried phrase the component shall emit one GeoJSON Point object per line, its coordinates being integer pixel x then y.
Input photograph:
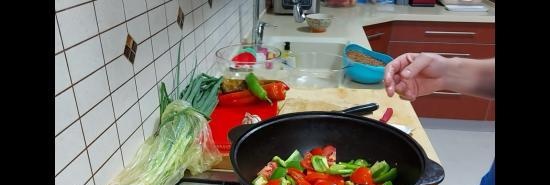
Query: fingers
{"type": "Point", "coordinates": [420, 62]}
{"type": "Point", "coordinates": [392, 70]}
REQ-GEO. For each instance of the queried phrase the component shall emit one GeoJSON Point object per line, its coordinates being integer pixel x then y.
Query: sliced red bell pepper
{"type": "Point", "coordinates": [274, 182]}
{"type": "Point", "coordinates": [298, 176]}
{"type": "Point", "coordinates": [306, 162]}
{"type": "Point", "coordinates": [314, 176]}
{"type": "Point", "coordinates": [317, 151]}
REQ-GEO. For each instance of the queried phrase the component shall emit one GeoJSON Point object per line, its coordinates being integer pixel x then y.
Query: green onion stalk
{"type": "Point", "coordinates": [183, 140]}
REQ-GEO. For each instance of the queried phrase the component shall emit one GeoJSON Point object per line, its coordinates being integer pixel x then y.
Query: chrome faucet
{"type": "Point", "coordinates": [258, 26]}
{"type": "Point", "coordinates": [298, 12]}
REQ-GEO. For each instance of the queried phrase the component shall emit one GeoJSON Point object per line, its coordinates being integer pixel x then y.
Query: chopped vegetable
{"type": "Point", "coordinates": [278, 173]}
{"type": "Point", "coordinates": [318, 170]}
{"type": "Point", "coordinates": [361, 162]}
{"type": "Point", "coordinates": [260, 180]}
{"type": "Point", "coordinates": [339, 169]}
{"type": "Point", "coordinates": [387, 176]}
{"type": "Point", "coordinates": [274, 182]}
{"type": "Point", "coordinates": [362, 176]}
{"type": "Point", "coordinates": [295, 156]}
{"type": "Point", "coordinates": [294, 164]}
{"type": "Point", "coordinates": [298, 177]}
{"type": "Point", "coordinates": [320, 163]}
{"type": "Point", "coordinates": [255, 87]}
{"type": "Point", "coordinates": [279, 161]}
{"type": "Point", "coordinates": [290, 179]}
{"type": "Point", "coordinates": [379, 168]}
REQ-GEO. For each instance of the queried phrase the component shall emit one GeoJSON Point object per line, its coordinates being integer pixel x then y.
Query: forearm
{"type": "Point", "coordinates": [472, 77]}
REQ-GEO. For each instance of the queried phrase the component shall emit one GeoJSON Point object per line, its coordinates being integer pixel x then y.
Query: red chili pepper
{"type": "Point", "coordinates": [387, 115]}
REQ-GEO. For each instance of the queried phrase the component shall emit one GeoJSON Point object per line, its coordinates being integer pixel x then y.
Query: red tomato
{"type": "Point", "coordinates": [362, 176]}
{"type": "Point", "coordinates": [306, 162]}
{"type": "Point", "coordinates": [317, 151]}
{"type": "Point", "coordinates": [274, 182]}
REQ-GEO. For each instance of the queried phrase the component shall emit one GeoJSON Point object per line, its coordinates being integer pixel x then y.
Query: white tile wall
{"type": "Point", "coordinates": [128, 123]}
{"type": "Point", "coordinates": [103, 148]}
{"type": "Point", "coordinates": [67, 146]}
{"type": "Point", "coordinates": [65, 110]}
{"type": "Point", "coordinates": [80, 172]}
{"type": "Point", "coordinates": [144, 55]}
{"type": "Point", "coordinates": [160, 43]}
{"type": "Point", "coordinates": [131, 146]}
{"type": "Point", "coordinates": [134, 8]}
{"type": "Point", "coordinates": [119, 71]}
{"type": "Point", "coordinates": [58, 45]}
{"type": "Point", "coordinates": [110, 169]}
{"type": "Point", "coordinates": [91, 90]}
{"type": "Point", "coordinates": [124, 98]}
{"type": "Point", "coordinates": [62, 80]}
{"type": "Point", "coordinates": [104, 101]}
{"type": "Point", "coordinates": [157, 19]}
{"type": "Point", "coordinates": [113, 42]}
{"type": "Point", "coordinates": [84, 58]}
{"type": "Point", "coordinates": [139, 28]}
{"type": "Point", "coordinates": [109, 13]}
{"type": "Point", "coordinates": [97, 120]}
{"type": "Point", "coordinates": [77, 24]}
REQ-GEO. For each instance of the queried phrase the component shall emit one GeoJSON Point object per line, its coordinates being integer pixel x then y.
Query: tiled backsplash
{"type": "Point", "coordinates": [105, 106]}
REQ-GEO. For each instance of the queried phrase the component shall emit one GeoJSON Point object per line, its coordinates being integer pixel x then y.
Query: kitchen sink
{"type": "Point", "coordinates": [329, 45]}
{"type": "Point", "coordinates": [318, 62]}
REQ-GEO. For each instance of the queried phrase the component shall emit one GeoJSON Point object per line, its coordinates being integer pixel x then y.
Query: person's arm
{"type": "Point", "coordinates": [471, 76]}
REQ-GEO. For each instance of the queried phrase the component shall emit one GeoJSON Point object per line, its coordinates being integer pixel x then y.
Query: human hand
{"type": "Point", "coordinates": [415, 74]}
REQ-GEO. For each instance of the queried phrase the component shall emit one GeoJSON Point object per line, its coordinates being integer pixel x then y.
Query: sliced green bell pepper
{"type": "Point", "coordinates": [279, 161]}
{"type": "Point", "coordinates": [388, 183]}
{"type": "Point", "coordinates": [295, 156]}
{"type": "Point", "coordinates": [278, 173]}
{"type": "Point", "coordinates": [339, 169]}
{"type": "Point", "coordinates": [284, 181]}
{"type": "Point", "coordinates": [349, 165]}
{"type": "Point", "coordinates": [260, 180]}
{"type": "Point", "coordinates": [361, 162]}
{"type": "Point", "coordinates": [379, 168]}
{"type": "Point", "coordinates": [294, 164]}
{"type": "Point", "coordinates": [290, 179]}
{"type": "Point", "coordinates": [320, 163]}
{"type": "Point", "coordinates": [349, 183]}
{"type": "Point", "coordinates": [388, 176]}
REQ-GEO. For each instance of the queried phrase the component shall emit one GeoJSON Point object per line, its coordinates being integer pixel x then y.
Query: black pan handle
{"type": "Point", "coordinates": [361, 109]}
{"type": "Point", "coordinates": [433, 174]}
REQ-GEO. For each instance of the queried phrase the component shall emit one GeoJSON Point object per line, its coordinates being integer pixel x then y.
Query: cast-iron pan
{"type": "Point", "coordinates": [354, 136]}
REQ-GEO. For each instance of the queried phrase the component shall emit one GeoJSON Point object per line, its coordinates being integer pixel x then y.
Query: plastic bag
{"type": "Point", "coordinates": [183, 142]}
